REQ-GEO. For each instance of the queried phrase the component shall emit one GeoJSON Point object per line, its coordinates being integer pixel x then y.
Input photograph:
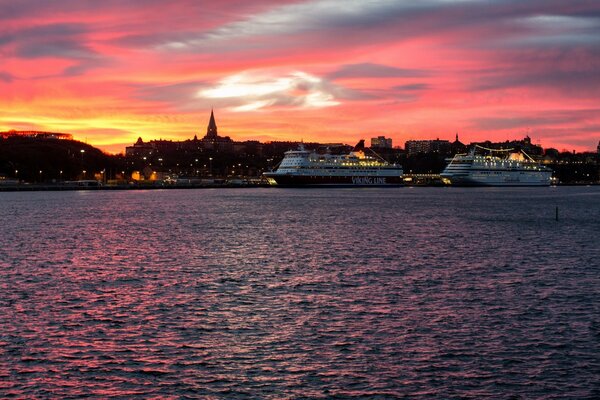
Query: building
{"type": "Point", "coordinates": [212, 140]}
{"type": "Point", "coordinates": [140, 149]}
{"type": "Point", "coordinates": [457, 146]}
{"type": "Point", "coordinates": [414, 147]}
{"type": "Point", "coordinates": [525, 144]}
{"type": "Point", "coordinates": [381, 142]}
{"type": "Point", "coordinates": [249, 146]}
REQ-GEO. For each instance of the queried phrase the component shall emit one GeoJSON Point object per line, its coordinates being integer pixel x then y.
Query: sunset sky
{"type": "Point", "coordinates": [321, 70]}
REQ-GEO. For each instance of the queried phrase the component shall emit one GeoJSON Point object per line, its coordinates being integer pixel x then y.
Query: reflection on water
{"type": "Point", "coordinates": [367, 293]}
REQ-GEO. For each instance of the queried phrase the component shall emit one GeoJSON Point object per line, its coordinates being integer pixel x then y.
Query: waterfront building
{"type": "Point", "coordinates": [457, 146]}
{"type": "Point", "coordinates": [248, 147]}
{"type": "Point", "coordinates": [525, 145]}
{"type": "Point", "coordinates": [140, 149]}
{"type": "Point", "coordinates": [381, 142]}
{"type": "Point", "coordinates": [414, 147]}
{"type": "Point", "coordinates": [209, 155]}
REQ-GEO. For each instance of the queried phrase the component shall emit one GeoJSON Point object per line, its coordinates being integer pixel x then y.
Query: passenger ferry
{"type": "Point", "coordinates": [307, 168]}
{"type": "Point", "coordinates": [492, 167]}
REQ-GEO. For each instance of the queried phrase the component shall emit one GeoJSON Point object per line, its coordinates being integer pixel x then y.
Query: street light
{"type": "Point", "coordinates": [82, 151]}
{"type": "Point", "coordinates": [210, 167]}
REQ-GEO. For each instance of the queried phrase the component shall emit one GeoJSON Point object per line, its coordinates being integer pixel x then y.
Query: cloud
{"type": "Point", "coordinates": [573, 83]}
{"type": "Point", "coordinates": [277, 24]}
{"type": "Point", "coordinates": [536, 119]}
{"type": "Point", "coordinates": [61, 40]}
{"type": "Point", "coordinates": [252, 90]}
{"type": "Point", "coordinates": [334, 22]}
{"type": "Point", "coordinates": [370, 70]}
{"type": "Point", "coordinates": [412, 87]}
{"type": "Point", "coordinates": [6, 77]}
{"type": "Point", "coordinates": [169, 92]}
{"type": "Point", "coordinates": [177, 97]}
{"type": "Point", "coordinates": [548, 29]}
{"type": "Point", "coordinates": [568, 70]}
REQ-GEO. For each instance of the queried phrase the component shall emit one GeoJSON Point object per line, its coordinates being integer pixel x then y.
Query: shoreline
{"type": "Point", "coordinates": [60, 188]}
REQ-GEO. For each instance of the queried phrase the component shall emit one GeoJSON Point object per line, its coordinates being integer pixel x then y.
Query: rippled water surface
{"type": "Point", "coordinates": [284, 293]}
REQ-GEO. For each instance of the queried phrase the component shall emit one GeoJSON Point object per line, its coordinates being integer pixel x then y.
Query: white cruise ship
{"type": "Point", "coordinates": [492, 167]}
{"type": "Point", "coordinates": [305, 168]}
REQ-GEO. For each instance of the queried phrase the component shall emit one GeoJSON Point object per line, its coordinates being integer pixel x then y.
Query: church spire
{"type": "Point", "coordinates": [211, 131]}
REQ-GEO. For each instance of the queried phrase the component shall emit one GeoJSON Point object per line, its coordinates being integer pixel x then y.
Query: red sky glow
{"type": "Point", "coordinates": [319, 70]}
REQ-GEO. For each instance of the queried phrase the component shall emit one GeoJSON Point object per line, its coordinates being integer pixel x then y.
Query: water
{"type": "Point", "coordinates": [282, 293]}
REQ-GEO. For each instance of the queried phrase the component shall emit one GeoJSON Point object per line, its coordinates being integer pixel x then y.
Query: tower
{"type": "Point", "coordinates": [212, 138]}
{"type": "Point", "coordinates": [211, 131]}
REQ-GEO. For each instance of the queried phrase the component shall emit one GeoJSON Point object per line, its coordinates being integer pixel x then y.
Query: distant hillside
{"type": "Point", "coordinates": [24, 157]}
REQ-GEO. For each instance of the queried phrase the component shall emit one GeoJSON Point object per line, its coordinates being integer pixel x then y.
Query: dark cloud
{"type": "Point", "coordinates": [11, 10]}
{"type": "Point", "coordinates": [6, 77]}
{"type": "Point", "coordinates": [180, 97]}
{"type": "Point", "coordinates": [169, 93]}
{"type": "Point", "coordinates": [369, 70]}
{"type": "Point", "coordinates": [573, 83]}
{"type": "Point", "coordinates": [406, 93]}
{"type": "Point", "coordinates": [570, 70]}
{"type": "Point", "coordinates": [66, 41]}
{"type": "Point", "coordinates": [81, 68]}
{"type": "Point", "coordinates": [539, 119]}
{"type": "Point", "coordinates": [57, 40]}
{"type": "Point", "coordinates": [43, 33]}
{"type": "Point", "coordinates": [411, 87]}
{"type": "Point", "coordinates": [469, 22]}
{"type": "Point", "coordinates": [53, 48]}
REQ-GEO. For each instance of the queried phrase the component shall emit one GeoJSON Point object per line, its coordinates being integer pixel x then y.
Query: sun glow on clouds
{"type": "Point", "coordinates": [329, 70]}
{"type": "Point", "coordinates": [256, 90]}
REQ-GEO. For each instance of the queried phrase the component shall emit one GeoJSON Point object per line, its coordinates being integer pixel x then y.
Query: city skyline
{"type": "Point", "coordinates": [318, 70]}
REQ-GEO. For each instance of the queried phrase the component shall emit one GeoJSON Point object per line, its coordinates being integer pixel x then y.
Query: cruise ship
{"type": "Point", "coordinates": [492, 167]}
{"type": "Point", "coordinates": [307, 168]}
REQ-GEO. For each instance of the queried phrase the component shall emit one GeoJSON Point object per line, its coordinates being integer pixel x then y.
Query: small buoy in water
{"type": "Point", "coordinates": [557, 213]}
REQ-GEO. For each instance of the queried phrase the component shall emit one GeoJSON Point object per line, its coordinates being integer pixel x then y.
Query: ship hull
{"type": "Point", "coordinates": [515, 179]}
{"type": "Point", "coordinates": [289, 180]}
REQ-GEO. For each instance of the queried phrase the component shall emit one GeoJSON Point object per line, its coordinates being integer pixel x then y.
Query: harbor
{"type": "Point", "coordinates": [33, 160]}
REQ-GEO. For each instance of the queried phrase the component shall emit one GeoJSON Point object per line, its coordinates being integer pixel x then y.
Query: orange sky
{"type": "Point", "coordinates": [321, 70]}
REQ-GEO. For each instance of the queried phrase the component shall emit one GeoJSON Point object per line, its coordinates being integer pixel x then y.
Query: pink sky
{"type": "Point", "coordinates": [320, 70]}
